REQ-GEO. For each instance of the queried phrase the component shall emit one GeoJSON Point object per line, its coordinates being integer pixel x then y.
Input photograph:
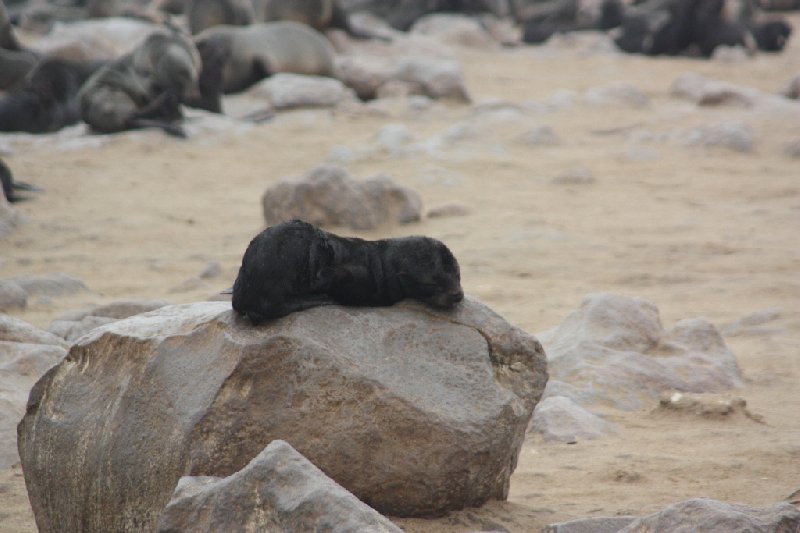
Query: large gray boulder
{"type": "Point", "coordinates": [279, 490]}
{"type": "Point", "coordinates": [711, 516]}
{"type": "Point", "coordinates": [25, 354]}
{"type": "Point", "coordinates": [414, 411]}
{"type": "Point", "coordinates": [328, 196]}
{"type": "Point", "coordinates": [614, 351]}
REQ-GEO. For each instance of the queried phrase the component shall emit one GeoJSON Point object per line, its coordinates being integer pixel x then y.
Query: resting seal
{"type": "Point", "coordinates": [294, 266]}
{"type": "Point", "coordinates": [145, 87]}
{"type": "Point", "coordinates": [236, 57]}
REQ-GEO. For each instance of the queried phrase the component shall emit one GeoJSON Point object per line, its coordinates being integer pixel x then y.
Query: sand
{"type": "Point", "coordinates": [698, 232]}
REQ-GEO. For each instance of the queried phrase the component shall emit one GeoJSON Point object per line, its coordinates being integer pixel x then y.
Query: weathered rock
{"type": "Point", "coordinates": [623, 94]}
{"type": "Point", "coordinates": [279, 490]}
{"type": "Point", "coordinates": [70, 330]}
{"type": "Point", "coordinates": [601, 524]}
{"type": "Point", "coordinates": [394, 138]}
{"type": "Point", "coordinates": [437, 78]}
{"type": "Point", "coordinates": [711, 516]}
{"type": "Point", "coordinates": [25, 354]}
{"type": "Point", "coordinates": [734, 136]}
{"type": "Point", "coordinates": [70, 326]}
{"type": "Point", "coordinates": [286, 91]}
{"type": "Point", "coordinates": [613, 350]}
{"type": "Point", "coordinates": [431, 406]}
{"type": "Point", "coordinates": [706, 91]}
{"type": "Point", "coordinates": [454, 29]}
{"type": "Point", "coordinates": [57, 284]}
{"type": "Point", "coordinates": [538, 136]}
{"type": "Point", "coordinates": [328, 196]}
{"type": "Point", "coordinates": [12, 296]}
{"type": "Point", "coordinates": [574, 176]}
{"type": "Point", "coordinates": [559, 419]}
{"type": "Point", "coordinates": [707, 406]}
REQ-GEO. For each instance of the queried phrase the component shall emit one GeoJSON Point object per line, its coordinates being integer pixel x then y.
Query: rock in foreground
{"type": "Point", "coordinates": [280, 490]}
{"type": "Point", "coordinates": [416, 412]}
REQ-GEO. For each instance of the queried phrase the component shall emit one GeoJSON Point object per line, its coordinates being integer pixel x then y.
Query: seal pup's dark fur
{"type": "Point", "coordinates": [144, 88]}
{"type": "Point", "coordinates": [47, 100]}
{"type": "Point", "coordinates": [294, 266]}
{"type": "Point", "coordinates": [11, 187]}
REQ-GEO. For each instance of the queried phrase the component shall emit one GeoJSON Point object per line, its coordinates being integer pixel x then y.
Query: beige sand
{"type": "Point", "coordinates": [698, 232]}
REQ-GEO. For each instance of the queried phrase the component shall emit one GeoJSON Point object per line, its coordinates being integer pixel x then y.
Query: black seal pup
{"type": "Point", "coordinates": [144, 88]}
{"type": "Point", "coordinates": [10, 186]}
{"type": "Point", "coordinates": [294, 266]}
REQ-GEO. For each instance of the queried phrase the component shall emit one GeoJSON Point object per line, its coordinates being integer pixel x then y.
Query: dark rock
{"type": "Point", "coordinates": [328, 196]}
{"type": "Point", "coordinates": [279, 490]}
{"type": "Point", "coordinates": [431, 406]}
{"type": "Point", "coordinates": [711, 516]}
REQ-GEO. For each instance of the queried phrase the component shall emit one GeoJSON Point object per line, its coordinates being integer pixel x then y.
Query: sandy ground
{"type": "Point", "coordinates": [699, 232]}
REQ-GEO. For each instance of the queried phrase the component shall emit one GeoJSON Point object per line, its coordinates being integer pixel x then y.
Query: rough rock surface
{"type": "Point", "coordinates": [711, 516]}
{"type": "Point", "coordinates": [559, 419]}
{"type": "Point", "coordinates": [436, 78]}
{"type": "Point", "coordinates": [25, 354]}
{"type": "Point", "coordinates": [286, 91]}
{"type": "Point", "coordinates": [414, 411]}
{"type": "Point", "coordinates": [328, 196]}
{"type": "Point", "coordinates": [71, 326]}
{"type": "Point", "coordinates": [614, 350]}
{"type": "Point", "coordinates": [600, 524]}
{"type": "Point", "coordinates": [279, 490]}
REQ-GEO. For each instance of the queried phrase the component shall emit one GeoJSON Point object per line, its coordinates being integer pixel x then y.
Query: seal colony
{"type": "Point", "coordinates": [294, 266]}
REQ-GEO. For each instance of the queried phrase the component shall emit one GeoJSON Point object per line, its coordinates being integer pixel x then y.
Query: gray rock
{"type": "Point", "coordinates": [436, 78]}
{"type": "Point", "coordinates": [57, 284]}
{"type": "Point", "coordinates": [100, 38]}
{"type": "Point", "coordinates": [559, 419]}
{"type": "Point", "coordinates": [25, 354]}
{"type": "Point", "coordinates": [538, 136]}
{"type": "Point", "coordinates": [448, 210]}
{"type": "Point", "coordinates": [75, 324]}
{"type": "Point", "coordinates": [454, 29]}
{"type": "Point", "coordinates": [708, 92]}
{"type": "Point", "coordinates": [730, 54]}
{"type": "Point", "coordinates": [431, 407]}
{"type": "Point", "coordinates": [600, 524]}
{"type": "Point", "coordinates": [793, 90]}
{"type": "Point", "coordinates": [287, 91]}
{"type": "Point", "coordinates": [9, 217]}
{"type": "Point", "coordinates": [12, 296]}
{"type": "Point", "coordinates": [752, 323]}
{"type": "Point", "coordinates": [711, 516]}
{"type": "Point", "coordinates": [792, 148]}
{"type": "Point", "coordinates": [623, 94]}
{"type": "Point", "coordinates": [328, 196]}
{"type": "Point", "coordinates": [279, 490]}
{"type": "Point", "coordinates": [613, 350]}
{"type": "Point", "coordinates": [70, 330]}
{"type": "Point", "coordinates": [574, 176]}
{"type": "Point", "coordinates": [394, 138]}
{"type": "Point", "coordinates": [733, 136]}
{"type": "Point", "coordinates": [211, 270]}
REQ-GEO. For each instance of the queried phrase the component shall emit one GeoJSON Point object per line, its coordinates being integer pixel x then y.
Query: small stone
{"type": "Point", "coordinates": [448, 210]}
{"type": "Point", "coordinates": [575, 176]}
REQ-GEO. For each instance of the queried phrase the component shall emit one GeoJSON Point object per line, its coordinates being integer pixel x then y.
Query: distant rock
{"type": "Point", "coordinates": [448, 210]}
{"type": "Point", "coordinates": [600, 524]}
{"type": "Point", "coordinates": [436, 78]}
{"type": "Point", "coordinates": [25, 354]}
{"type": "Point", "coordinates": [414, 411]}
{"type": "Point", "coordinates": [706, 406]}
{"type": "Point", "coordinates": [792, 148]}
{"type": "Point", "coordinates": [538, 136]}
{"type": "Point", "coordinates": [621, 93]}
{"type": "Point", "coordinates": [753, 323]}
{"type": "Point", "coordinates": [793, 90]}
{"type": "Point", "coordinates": [559, 419]}
{"type": "Point", "coordinates": [574, 176]}
{"type": "Point", "coordinates": [73, 325]}
{"type": "Point", "coordinates": [613, 350]}
{"type": "Point", "coordinates": [395, 139]}
{"type": "Point", "coordinates": [12, 296]}
{"type": "Point", "coordinates": [708, 92]}
{"type": "Point", "coordinates": [454, 29]}
{"type": "Point", "coordinates": [279, 490]}
{"type": "Point", "coordinates": [9, 217]}
{"type": "Point", "coordinates": [328, 196]}
{"type": "Point", "coordinates": [287, 91]}
{"type": "Point", "coordinates": [733, 136]}
{"type": "Point", "coordinates": [711, 516]}
{"type": "Point", "coordinates": [211, 270]}
{"type": "Point", "coordinates": [57, 284]}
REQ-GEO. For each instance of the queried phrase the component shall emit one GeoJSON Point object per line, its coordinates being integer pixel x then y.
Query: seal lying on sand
{"type": "Point", "coordinates": [236, 57]}
{"type": "Point", "coordinates": [48, 98]}
{"type": "Point", "coordinates": [294, 266]}
{"type": "Point", "coordinates": [145, 87]}
{"type": "Point", "coordinates": [10, 187]}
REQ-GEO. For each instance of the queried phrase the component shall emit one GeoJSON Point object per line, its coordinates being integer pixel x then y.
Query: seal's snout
{"type": "Point", "coordinates": [455, 297]}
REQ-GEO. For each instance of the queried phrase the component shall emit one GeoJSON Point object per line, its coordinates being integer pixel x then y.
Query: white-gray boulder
{"type": "Point", "coordinates": [559, 419]}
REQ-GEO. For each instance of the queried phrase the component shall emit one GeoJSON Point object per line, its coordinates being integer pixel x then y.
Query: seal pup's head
{"type": "Point", "coordinates": [427, 271]}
